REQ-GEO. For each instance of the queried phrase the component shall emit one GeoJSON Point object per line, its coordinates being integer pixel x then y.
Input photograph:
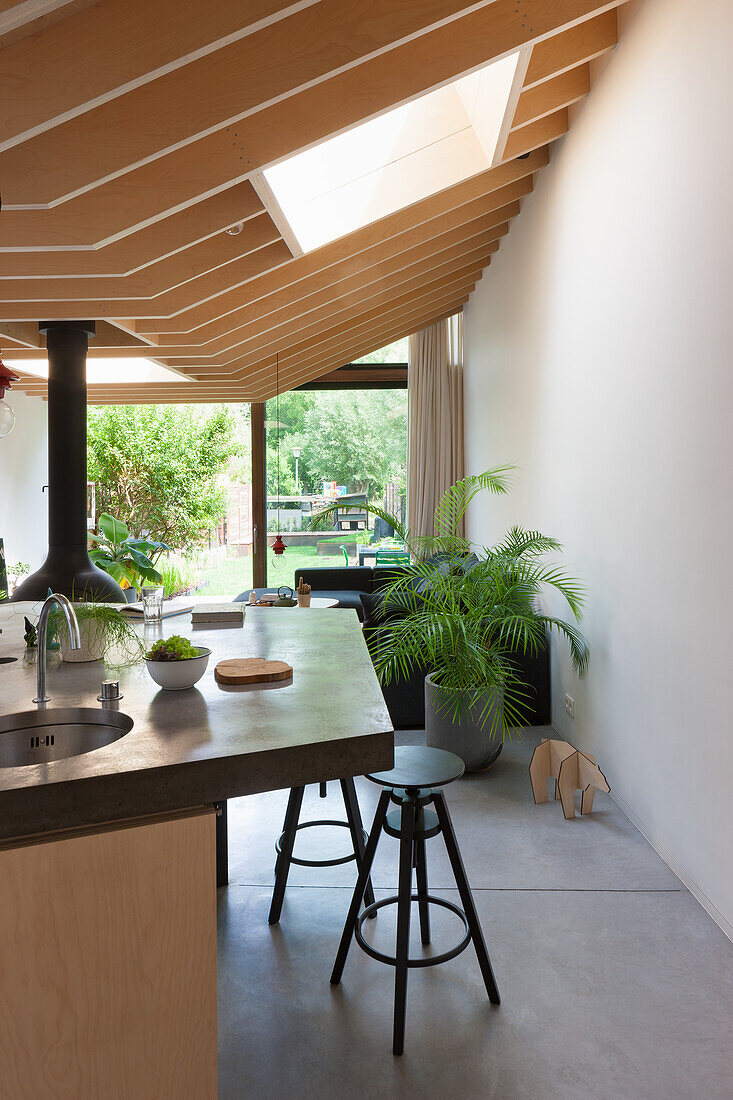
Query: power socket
{"type": "Point", "coordinates": [570, 706]}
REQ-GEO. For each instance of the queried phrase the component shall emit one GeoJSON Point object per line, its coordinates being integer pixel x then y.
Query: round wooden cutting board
{"type": "Point", "coordinates": [251, 670]}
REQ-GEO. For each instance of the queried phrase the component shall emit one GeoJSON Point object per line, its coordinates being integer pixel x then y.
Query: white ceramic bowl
{"type": "Point", "coordinates": [178, 675]}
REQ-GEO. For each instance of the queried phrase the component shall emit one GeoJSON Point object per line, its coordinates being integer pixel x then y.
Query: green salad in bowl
{"type": "Point", "coordinates": [175, 663]}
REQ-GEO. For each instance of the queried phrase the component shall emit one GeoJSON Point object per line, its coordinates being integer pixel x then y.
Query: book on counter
{"type": "Point", "coordinates": [217, 613]}
{"type": "Point", "coordinates": [170, 608]}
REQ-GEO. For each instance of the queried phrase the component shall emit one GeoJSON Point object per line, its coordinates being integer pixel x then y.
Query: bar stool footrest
{"type": "Point", "coordinates": [432, 960]}
{"type": "Point", "coordinates": [319, 862]}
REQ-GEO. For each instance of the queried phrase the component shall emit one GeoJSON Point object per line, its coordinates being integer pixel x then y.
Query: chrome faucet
{"type": "Point", "coordinates": [74, 639]}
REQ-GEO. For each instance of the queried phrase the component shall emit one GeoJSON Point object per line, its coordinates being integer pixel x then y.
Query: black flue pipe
{"type": "Point", "coordinates": [68, 568]}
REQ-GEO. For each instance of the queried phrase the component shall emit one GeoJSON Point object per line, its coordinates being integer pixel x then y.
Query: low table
{"type": "Point", "coordinates": [316, 601]}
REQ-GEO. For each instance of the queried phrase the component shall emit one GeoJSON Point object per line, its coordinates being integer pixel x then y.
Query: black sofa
{"type": "Point", "coordinates": [405, 698]}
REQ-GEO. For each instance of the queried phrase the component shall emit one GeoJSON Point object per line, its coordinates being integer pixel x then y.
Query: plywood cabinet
{"type": "Point", "coordinates": [108, 963]}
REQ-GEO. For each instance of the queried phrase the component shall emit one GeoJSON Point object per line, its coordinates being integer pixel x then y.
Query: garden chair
{"type": "Point", "coordinates": [392, 557]}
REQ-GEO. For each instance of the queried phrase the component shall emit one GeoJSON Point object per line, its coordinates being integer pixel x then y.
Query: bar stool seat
{"type": "Point", "coordinates": [292, 826]}
{"type": "Point", "coordinates": [413, 784]}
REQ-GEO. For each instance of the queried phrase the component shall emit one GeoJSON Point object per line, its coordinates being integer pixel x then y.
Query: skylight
{"type": "Point", "coordinates": [395, 160]}
{"type": "Point", "coordinates": [108, 370]}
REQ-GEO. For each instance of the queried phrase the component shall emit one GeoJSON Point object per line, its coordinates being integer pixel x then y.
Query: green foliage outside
{"type": "Point", "coordinates": [393, 353]}
{"type": "Point", "coordinates": [124, 557]}
{"type": "Point", "coordinates": [356, 438]}
{"type": "Point", "coordinates": [160, 468]}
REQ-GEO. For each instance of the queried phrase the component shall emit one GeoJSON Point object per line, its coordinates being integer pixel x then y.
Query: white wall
{"type": "Point", "coordinates": [599, 349]}
{"type": "Point", "coordinates": [23, 473]}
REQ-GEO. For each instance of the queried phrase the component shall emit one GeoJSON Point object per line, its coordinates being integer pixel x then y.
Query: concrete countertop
{"type": "Point", "coordinates": [208, 743]}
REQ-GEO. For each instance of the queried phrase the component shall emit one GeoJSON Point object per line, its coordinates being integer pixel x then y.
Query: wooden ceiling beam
{"type": "Point", "coordinates": [433, 237]}
{"type": "Point", "coordinates": [123, 44]}
{"type": "Point", "coordinates": [329, 338]}
{"type": "Point", "coordinates": [223, 391]}
{"type": "Point", "coordinates": [331, 341]}
{"type": "Point", "coordinates": [346, 250]}
{"type": "Point", "coordinates": [358, 342]}
{"type": "Point", "coordinates": [552, 95]}
{"type": "Point", "coordinates": [22, 18]}
{"type": "Point", "coordinates": [235, 274]}
{"type": "Point", "coordinates": [536, 134]}
{"type": "Point", "coordinates": [182, 177]}
{"type": "Point", "coordinates": [24, 333]}
{"type": "Point", "coordinates": [146, 246]}
{"type": "Point", "coordinates": [190, 263]}
{"type": "Point", "coordinates": [311, 326]}
{"type": "Point", "coordinates": [416, 262]}
{"type": "Point", "coordinates": [221, 291]}
{"type": "Point", "coordinates": [210, 92]}
{"type": "Point", "coordinates": [572, 47]}
{"type": "Point", "coordinates": [410, 264]}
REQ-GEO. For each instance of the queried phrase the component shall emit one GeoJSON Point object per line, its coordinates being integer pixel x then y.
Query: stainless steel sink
{"type": "Point", "coordinates": [38, 736]}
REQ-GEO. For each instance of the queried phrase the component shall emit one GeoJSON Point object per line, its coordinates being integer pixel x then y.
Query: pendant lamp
{"type": "Point", "coordinates": [278, 546]}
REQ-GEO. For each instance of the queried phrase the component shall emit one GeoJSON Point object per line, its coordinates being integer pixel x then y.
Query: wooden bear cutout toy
{"type": "Point", "coordinates": [571, 769]}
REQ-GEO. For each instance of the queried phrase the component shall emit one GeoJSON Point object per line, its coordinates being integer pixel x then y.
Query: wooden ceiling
{"type": "Point", "coordinates": [133, 136]}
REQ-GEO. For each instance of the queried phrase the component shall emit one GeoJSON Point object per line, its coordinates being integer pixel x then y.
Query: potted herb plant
{"type": "Point", "coordinates": [175, 664]}
{"type": "Point", "coordinates": [125, 558]}
{"type": "Point", "coordinates": [466, 614]}
{"type": "Point", "coordinates": [106, 635]}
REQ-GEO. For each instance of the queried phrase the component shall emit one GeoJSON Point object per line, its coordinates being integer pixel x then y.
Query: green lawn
{"type": "Point", "coordinates": [234, 575]}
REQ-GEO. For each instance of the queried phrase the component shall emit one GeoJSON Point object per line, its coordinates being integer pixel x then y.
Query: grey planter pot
{"type": "Point", "coordinates": [465, 738]}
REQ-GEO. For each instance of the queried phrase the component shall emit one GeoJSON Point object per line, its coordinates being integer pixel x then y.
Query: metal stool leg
{"type": "Point", "coordinates": [466, 896]}
{"type": "Point", "coordinates": [404, 892]}
{"type": "Point", "coordinates": [364, 872]}
{"type": "Point", "coordinates": [356, 827]}
{"type": "Point", "coordinates": [222, 845]}
{"type": "Point", "coordinates": [421, 874]}
{"type": "Point", "coordinates": [282, 864]}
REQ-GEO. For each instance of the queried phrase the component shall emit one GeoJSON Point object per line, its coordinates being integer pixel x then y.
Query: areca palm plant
{"type": "Point", "coordinates": [467, 613]}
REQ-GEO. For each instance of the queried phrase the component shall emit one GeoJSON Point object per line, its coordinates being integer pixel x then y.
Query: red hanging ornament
{"type": "Point", "coordinates": [6, 377]}
{"type": "Point", "coordinates": [278, 546]}
{"type": "Point", "coordinates": [7, 416]}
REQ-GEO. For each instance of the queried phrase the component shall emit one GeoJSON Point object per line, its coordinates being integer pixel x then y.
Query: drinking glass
{"type": "Point", "coordinates": [152, 604]}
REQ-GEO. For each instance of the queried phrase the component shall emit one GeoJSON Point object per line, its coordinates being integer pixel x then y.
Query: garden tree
{"type": "Point", "coordinates": [240, 467]}
{"type": "Point", "coordinates": [287, 468]}
{"type": "Point", "coordinates": [294, 408]}
{"type": "Point", "coordinates": [357, 438]}
{"type": "Point", "coordinates": [393, 353]}
{"type": "Point", "coordinates": [160, 468]}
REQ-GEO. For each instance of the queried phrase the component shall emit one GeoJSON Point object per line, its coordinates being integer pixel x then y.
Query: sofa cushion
{"type": "Point", "coordinates": [328, 581]}
{"type": "Point", "coordinates": [372, 607]}
{"type": "Point", "coordinates": [382, 575]}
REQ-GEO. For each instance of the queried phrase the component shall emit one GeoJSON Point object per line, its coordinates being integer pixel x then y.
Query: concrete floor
{"type": "Point", "coordinates": [615, 983]}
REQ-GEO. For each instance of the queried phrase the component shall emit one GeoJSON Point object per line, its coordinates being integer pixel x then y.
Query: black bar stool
{"type": "Point", "coordinates": [291, 827]}
{"type": "Point", "coordinates": [409, 785]}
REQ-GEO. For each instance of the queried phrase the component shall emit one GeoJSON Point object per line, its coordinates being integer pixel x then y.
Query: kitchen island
{"type": "Point", "coordinates": [107, 859]}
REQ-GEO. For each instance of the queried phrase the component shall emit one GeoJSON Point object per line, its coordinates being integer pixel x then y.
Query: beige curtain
{"type": "Point", "coordinates": [434, 419]}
